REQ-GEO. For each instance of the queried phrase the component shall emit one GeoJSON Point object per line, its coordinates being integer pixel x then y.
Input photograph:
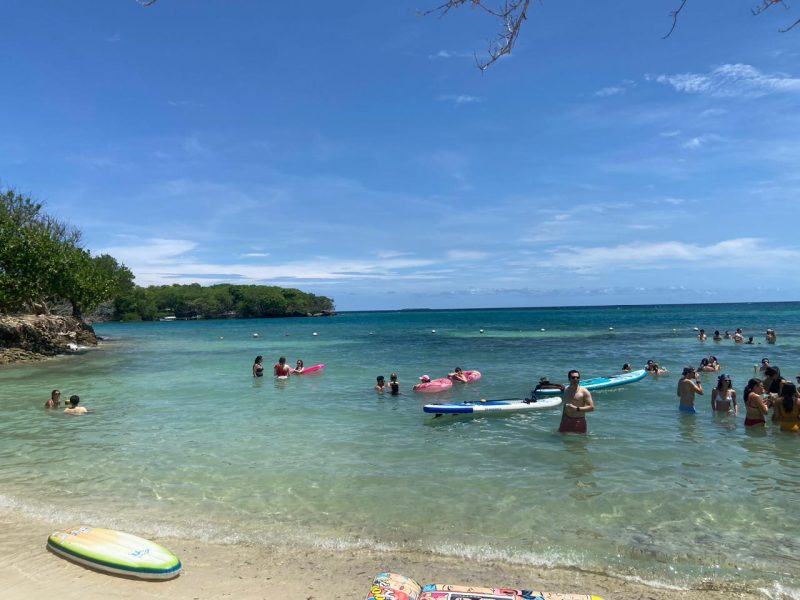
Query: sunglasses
{"type": "Point", "coordinates": [575, 377]}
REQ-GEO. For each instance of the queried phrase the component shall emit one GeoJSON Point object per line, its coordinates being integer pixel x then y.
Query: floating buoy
{"type": "Point", "coordinates": [433, 331]}
{"type": "Point", "coordinates": [611, 329]}
{"type": "Point", "coordinates": [315, 333]}
{"type": "Point", "coordinates": [542, 329]}
{"type": "Point", "coordinates": [695, 328]}
{"type": "Point", "coordinates": [481, 330]}
{"type": "Point", "coordinates": [255, 335]}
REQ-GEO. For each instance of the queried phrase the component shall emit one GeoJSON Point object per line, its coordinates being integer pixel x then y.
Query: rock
{"type": "Point", "coordinates": [33, 337]}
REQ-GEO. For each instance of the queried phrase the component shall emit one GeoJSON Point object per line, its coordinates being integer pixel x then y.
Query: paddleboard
{"type": "Point", "coordinates": [602, 383]}
{"type": "Point", "coordinates": [400, 587]}
{"type": "Point", "coordinates": [115, 552]}
{"type": "Point", "coordinates": [491, 406]}
{"type": "Point", "coordinates": [307, 370]}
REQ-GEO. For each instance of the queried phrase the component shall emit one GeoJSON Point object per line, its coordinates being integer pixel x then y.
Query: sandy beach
{"type": "Point", "coordinates": [249, 571]}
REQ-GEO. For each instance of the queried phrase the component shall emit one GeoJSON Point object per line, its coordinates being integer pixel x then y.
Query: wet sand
{"type": "Point", "coordinates": [31, 572]}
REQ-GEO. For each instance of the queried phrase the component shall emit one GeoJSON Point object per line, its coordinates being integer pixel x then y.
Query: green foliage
{"type": "Point", "coordinates": [41, 262]}
{"type": "Point", "coordinates": [219, 301]}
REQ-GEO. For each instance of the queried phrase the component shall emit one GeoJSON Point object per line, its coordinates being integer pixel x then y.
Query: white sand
{"type": "Point", "coordinates": [31, 572]}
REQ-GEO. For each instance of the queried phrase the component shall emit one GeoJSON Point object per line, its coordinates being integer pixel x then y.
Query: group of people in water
{"type": "Point", "coordinates": [54, 403]}
{"type": "Point", "coordinates": [759, 396]}
{"type": "Point", "coordinates": [738, 337]}
{"type": "Point", "coordinates": [280, 369]}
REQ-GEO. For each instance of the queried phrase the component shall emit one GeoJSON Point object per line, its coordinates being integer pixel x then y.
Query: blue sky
{"type": "Point", "coordinates": [353, 149]}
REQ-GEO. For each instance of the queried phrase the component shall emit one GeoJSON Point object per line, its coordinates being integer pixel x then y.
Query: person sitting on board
{"type": "Point", "coordinates": [458, 375]}
{"type": "Point", "coordinates": [281, 369]}
{"type": "Point", "coordinates": [380, 386]}
{"type": "Point", "coordinates": [577, 402]}
{"type": "Point", "coordinates": [55, 400]}
{"type": "Point", "coordinates": [258, 367]}
{"type": "Point", "coordinates": [73, 408]}
{"type": "Point", "coordinates": [545, 384]}
{"type": "Point", "coordinates": [299, 368]}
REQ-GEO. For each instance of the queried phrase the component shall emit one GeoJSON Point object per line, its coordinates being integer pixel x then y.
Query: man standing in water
{"type": "Point", "coordinates": [577, 402]}
{"type": "Point", "coordinates": [688, 386]}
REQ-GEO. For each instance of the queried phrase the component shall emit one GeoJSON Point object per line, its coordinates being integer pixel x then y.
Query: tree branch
{"type": "Point", "coordinates": [512, 13]}
{"type": "Point", "coordinates": [674, 14]}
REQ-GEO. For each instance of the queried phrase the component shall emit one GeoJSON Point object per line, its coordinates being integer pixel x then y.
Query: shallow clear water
{"type": "Point", "coordinates": [185, 442]}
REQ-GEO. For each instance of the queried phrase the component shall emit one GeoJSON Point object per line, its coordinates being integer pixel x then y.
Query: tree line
{"type": "Point", "coordinates": [218, 302]}
{"type": "Point", "coordinates": [44, 268]}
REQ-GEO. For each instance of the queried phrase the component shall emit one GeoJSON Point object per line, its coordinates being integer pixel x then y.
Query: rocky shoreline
{"type": "Point", "coordinates": [37, 337]}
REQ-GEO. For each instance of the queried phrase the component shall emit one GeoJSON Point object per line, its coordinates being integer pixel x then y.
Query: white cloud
{"type": "Point", "coordinates": [468, 255]}
{"type": "Point", "coordinates": [256, 254]}
{"type": "Point", "coordinates": [740, 252]}
{"type": "Point", "coordinates": [114, 38]}
{"type": "Point", "coordinates": [610, 91]}
{"type": "Point", "coordinates": [730, 81]}
{"type": "Point", "coordinates": [459, 99]}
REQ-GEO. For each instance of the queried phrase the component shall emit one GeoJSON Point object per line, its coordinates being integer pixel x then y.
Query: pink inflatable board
{"type": "Point", "coordinates": [433, 386]}
{"type": "Point", "coordinates": [400, 587]}
{"type": "Point", "coordinates": [307, 370]}
{"type": "Point", "coordinates": [471, 376]}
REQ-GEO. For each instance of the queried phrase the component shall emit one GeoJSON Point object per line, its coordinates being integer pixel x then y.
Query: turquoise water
{"type": "Point", "coordinates": [185, 442]}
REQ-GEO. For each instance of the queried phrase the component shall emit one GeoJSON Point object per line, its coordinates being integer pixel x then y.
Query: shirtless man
{"type": "Point", "coordinates": [688, 386]}
{"type": "Point", "coordinates": [577, 402]}
{"type": "Point", "coordinates": [73, 408]}
{"type": "Point", "coordinates": [458, 375]}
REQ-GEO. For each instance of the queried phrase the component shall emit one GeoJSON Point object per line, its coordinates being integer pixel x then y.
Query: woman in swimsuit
{"type": "Point", "coordinates": [787, 408]}
{"type": "Point", "coordinates": [755, 407]}
{"type": "Point", "coordinates": [55, 400]}
{"type": "Point", "coordinates": [281, 369]}
{"type": "Point", "coordinates": [723, 397]}
{"type": "Point", "coordinates": [300, 367]}
{"type": "Point", "coordinates": [258, 368]}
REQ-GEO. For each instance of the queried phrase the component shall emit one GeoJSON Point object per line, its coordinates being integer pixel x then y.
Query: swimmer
{"type": "Point", "coordinates": [281, 369]}
{"type": "Point", "coordinates": [577, 402]}
{"type": "Point", "coordinates": [755, 406]}
{"type": "Point", "coordinates": [394, 385]}
{"type": "Point", "coordinates": [299, 368]}
{"type": "Point", "coordinates": [717, 337]}
{"type": "Point", "coordinates": [738, 336]}
{"type": "Point", "coordinates": [626, 368]}
{"type": "Point", "coordinates": [723, 397]}
{"type": "Point", "coordinates": [458, 375]}
{"type": "Point", "coordinates": [55, 400]}
{"type": "Point", "coordinates": [74, 409]}
{"type": "Point", "coordinates": [258, 367]}
{"type": "Point", "coordinates": [688, 386]}
{"type": "Point", "coordinates": [750, 340]}
{"type": "Point", "coordinates": [787, 408]}
{"type": "Point", "coordinates": [764, 365]}
{"type": "Point", "coordinates": [771, 336]}
{"type": "Point", "coordinates": [702, 335]}
{"type": "Point", "coordinates": [380, 386]}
